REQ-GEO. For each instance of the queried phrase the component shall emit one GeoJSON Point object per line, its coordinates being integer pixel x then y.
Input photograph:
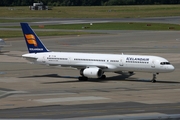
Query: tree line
{"type": "Point", "coordinates": [86, 2]}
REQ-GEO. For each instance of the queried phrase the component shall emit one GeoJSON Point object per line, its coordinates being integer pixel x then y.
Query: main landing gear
{"type": "Point", "coordinates": [154, 77]}
{"type": "Point", "coordinates": [83, 78]}
{"type": "Point", "coordinates": [103, 77]}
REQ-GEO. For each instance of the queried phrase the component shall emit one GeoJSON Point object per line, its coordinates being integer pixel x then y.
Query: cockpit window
{"type": "Point", "coordinates": [165, 63]}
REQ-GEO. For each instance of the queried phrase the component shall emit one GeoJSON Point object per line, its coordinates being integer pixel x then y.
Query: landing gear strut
{"type": "Point", "coordinates": [154, 78]}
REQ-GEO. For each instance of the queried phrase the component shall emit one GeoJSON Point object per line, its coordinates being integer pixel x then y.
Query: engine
{"type": "Point", "coordinates": [92, 72]}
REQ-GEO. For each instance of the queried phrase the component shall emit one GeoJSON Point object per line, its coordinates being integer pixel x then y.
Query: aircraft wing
{"type": "Point", "coordinates": [80, 66]}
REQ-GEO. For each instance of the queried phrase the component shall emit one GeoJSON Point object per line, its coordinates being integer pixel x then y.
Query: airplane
{"type": "Point", "coordinates": [2, 44]}
{"type": "Point", "coordinates": [92, 65]}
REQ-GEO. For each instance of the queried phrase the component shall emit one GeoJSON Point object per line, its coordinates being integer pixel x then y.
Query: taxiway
{"type": "Point", "coordinates": [35, 91]}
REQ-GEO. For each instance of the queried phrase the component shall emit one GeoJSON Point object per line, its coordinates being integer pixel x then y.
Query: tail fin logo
{"type": "Point", "coordinates": [31, 39]}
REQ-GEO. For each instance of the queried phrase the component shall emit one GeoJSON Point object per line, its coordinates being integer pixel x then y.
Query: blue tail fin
{"type": "Point", "coordinates": [34, 44]}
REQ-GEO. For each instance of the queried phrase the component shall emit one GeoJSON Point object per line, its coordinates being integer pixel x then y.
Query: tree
{"type": "Point", "coordinates": [86, 2]}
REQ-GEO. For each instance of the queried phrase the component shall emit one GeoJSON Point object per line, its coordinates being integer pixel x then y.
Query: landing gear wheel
{"type": "Point", "coordinates": [153, 81]}
{"type": "Point", "coordinates": [83, 78]}
{"type": "Point", "coordinates": [131, 72]}
{"type": "Point", "coordinates": [103, 77]}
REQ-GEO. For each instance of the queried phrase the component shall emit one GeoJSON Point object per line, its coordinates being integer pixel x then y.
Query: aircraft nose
{"type": "Point", "coordinates": [171, 68]}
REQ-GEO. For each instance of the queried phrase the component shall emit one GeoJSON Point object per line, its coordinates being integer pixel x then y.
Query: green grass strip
{"type": "Point", "coordinates": [95, 26]}
{"type": "Point", "coordinates": [114, 26]}
{"type": "Point", "coordinates": [10, 34]}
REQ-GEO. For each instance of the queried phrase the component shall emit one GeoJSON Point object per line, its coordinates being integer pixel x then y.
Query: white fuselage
{"type": "Point", "coordinates": [106, 62]}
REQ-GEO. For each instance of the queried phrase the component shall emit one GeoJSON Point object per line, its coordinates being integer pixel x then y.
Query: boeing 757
{"type": "Point", "coordinates": [92, 65]}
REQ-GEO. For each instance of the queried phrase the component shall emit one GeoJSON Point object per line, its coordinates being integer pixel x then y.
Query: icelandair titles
{"type": "Point", "coordinates": [38, 49]}
{"type": "Point", "coordinates": [137, 59]}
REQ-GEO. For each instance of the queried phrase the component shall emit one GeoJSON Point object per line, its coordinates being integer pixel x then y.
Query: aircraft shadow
{"type": "Point", "coordinates": [146, 80]}
{"type": "Point", "coordinates": [49, 75]}
{"type": "Point", "coordinates": [123, 77]}
{"type": "Point", "coordinates": [75, 78]}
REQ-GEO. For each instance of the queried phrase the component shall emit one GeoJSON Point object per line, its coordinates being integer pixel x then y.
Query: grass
{"type": "Point", "coordinates": [8, 20]}
{"type": "Point", "coordinates": [114, 26]}
{"type": "Point", "coordinates": [108, 26]}
{"type": "Point", "coordinates": [22, 14]}
{"type": "Point", "coordinates": [11, 34]}
{"type": "Point", "coordinates": [93, 12]}
{"type": "Point", "coordinates": [95, 26]}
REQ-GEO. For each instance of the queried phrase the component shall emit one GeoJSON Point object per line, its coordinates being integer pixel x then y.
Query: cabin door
{"type": "Point", "coordinates": [153, 64]}
{"type": "Point", "coordinates": [121, 62]}
{"type": "Point", "coordinates": [69, 59]}
{"type": "Point", "coordinates": [44, 59]}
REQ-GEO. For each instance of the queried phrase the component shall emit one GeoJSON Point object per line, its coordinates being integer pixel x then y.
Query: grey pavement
{"type": "Point", "coordinates": [54, 21]}
{"type": "Point", "coordinates": [47, 92]}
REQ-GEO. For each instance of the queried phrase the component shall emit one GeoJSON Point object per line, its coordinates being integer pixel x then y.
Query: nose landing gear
{"type": "Point", "coordinates": [154, 77]}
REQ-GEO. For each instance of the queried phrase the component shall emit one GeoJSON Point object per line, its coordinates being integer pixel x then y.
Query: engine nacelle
{"type": "Point", "coordinates": [92, 72]}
